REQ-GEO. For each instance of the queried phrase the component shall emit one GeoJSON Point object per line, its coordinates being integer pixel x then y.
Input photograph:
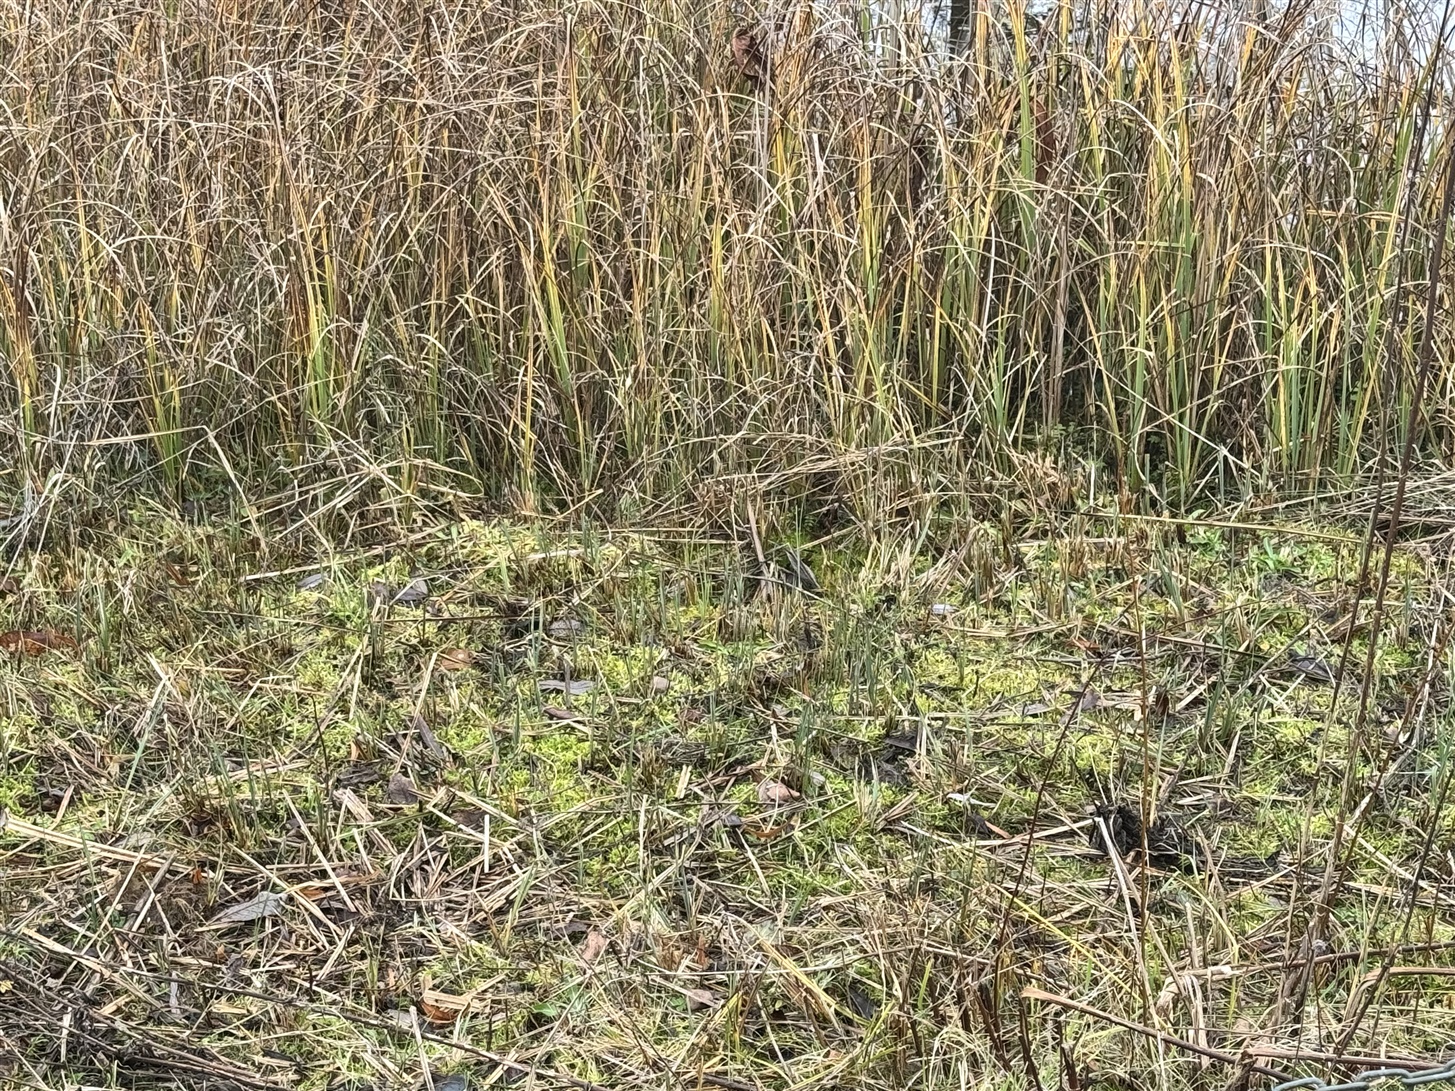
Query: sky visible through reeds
{"type": "Point", "coordinates": [1365, 29]}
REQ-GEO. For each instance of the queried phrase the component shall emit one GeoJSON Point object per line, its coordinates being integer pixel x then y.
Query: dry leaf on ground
{"type": "Point", "coordinates": [267, 904]}
{"type": "Point", "coordinates": [401, 790]}
{"type": "Point", "coordinates": [700, 998]}
{"type": "Point", "coordinates": [427, 736]}
{"type": "Point", "coordinates": [443, 1007]}
{"type": "Point", "coordinates": [34, 641]}
{"type": "Point", "coordinates": [594, 943]}
{"type": "Point", "coordinates": [775, 792]}
{"type": "Point", "coordinates": [456, 659]}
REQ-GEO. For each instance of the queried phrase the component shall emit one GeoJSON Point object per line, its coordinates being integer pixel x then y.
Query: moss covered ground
{"type": "Point", "coordinates": [489, 803]}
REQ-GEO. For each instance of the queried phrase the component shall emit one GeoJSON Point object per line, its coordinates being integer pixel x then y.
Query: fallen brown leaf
{"type": "Point", "coordinates": [700, 998]}
{"type": "Point", "coordinates": [593, 945]}
{"type": "Point", "coordinates": [34, 641]}
{"type": "Point", "coordinates": [436, 1013]}
{"type": "Point", "coordinates": [775, 792]}
{"type": "Point", "coordinates": [456, 659]}
{"type": "Point", "coordinates": [443, 1007]}
{"type": "Point", "coordinates": [401, 790]}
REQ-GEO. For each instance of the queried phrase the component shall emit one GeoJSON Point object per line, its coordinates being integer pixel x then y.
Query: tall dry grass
{"type": "Point", "coordinates": [562, 251]}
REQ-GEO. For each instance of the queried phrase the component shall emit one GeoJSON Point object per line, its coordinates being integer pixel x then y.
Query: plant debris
{"type": "Point", "coordinates": [35, 641]}
{"type": "Point", "coordinates": [575, 687]}
{"type": "Point", "coordinates": [266, 904]}
{"type": "Point", "coordinates": [818, 868]}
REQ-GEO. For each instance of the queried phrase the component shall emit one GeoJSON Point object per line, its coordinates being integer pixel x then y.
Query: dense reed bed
{"type": "Point", "coordinates": [558, 251]}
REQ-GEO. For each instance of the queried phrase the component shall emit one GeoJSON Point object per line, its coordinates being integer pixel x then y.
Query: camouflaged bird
{"type": "Point", "coordinates": [749, 58]}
